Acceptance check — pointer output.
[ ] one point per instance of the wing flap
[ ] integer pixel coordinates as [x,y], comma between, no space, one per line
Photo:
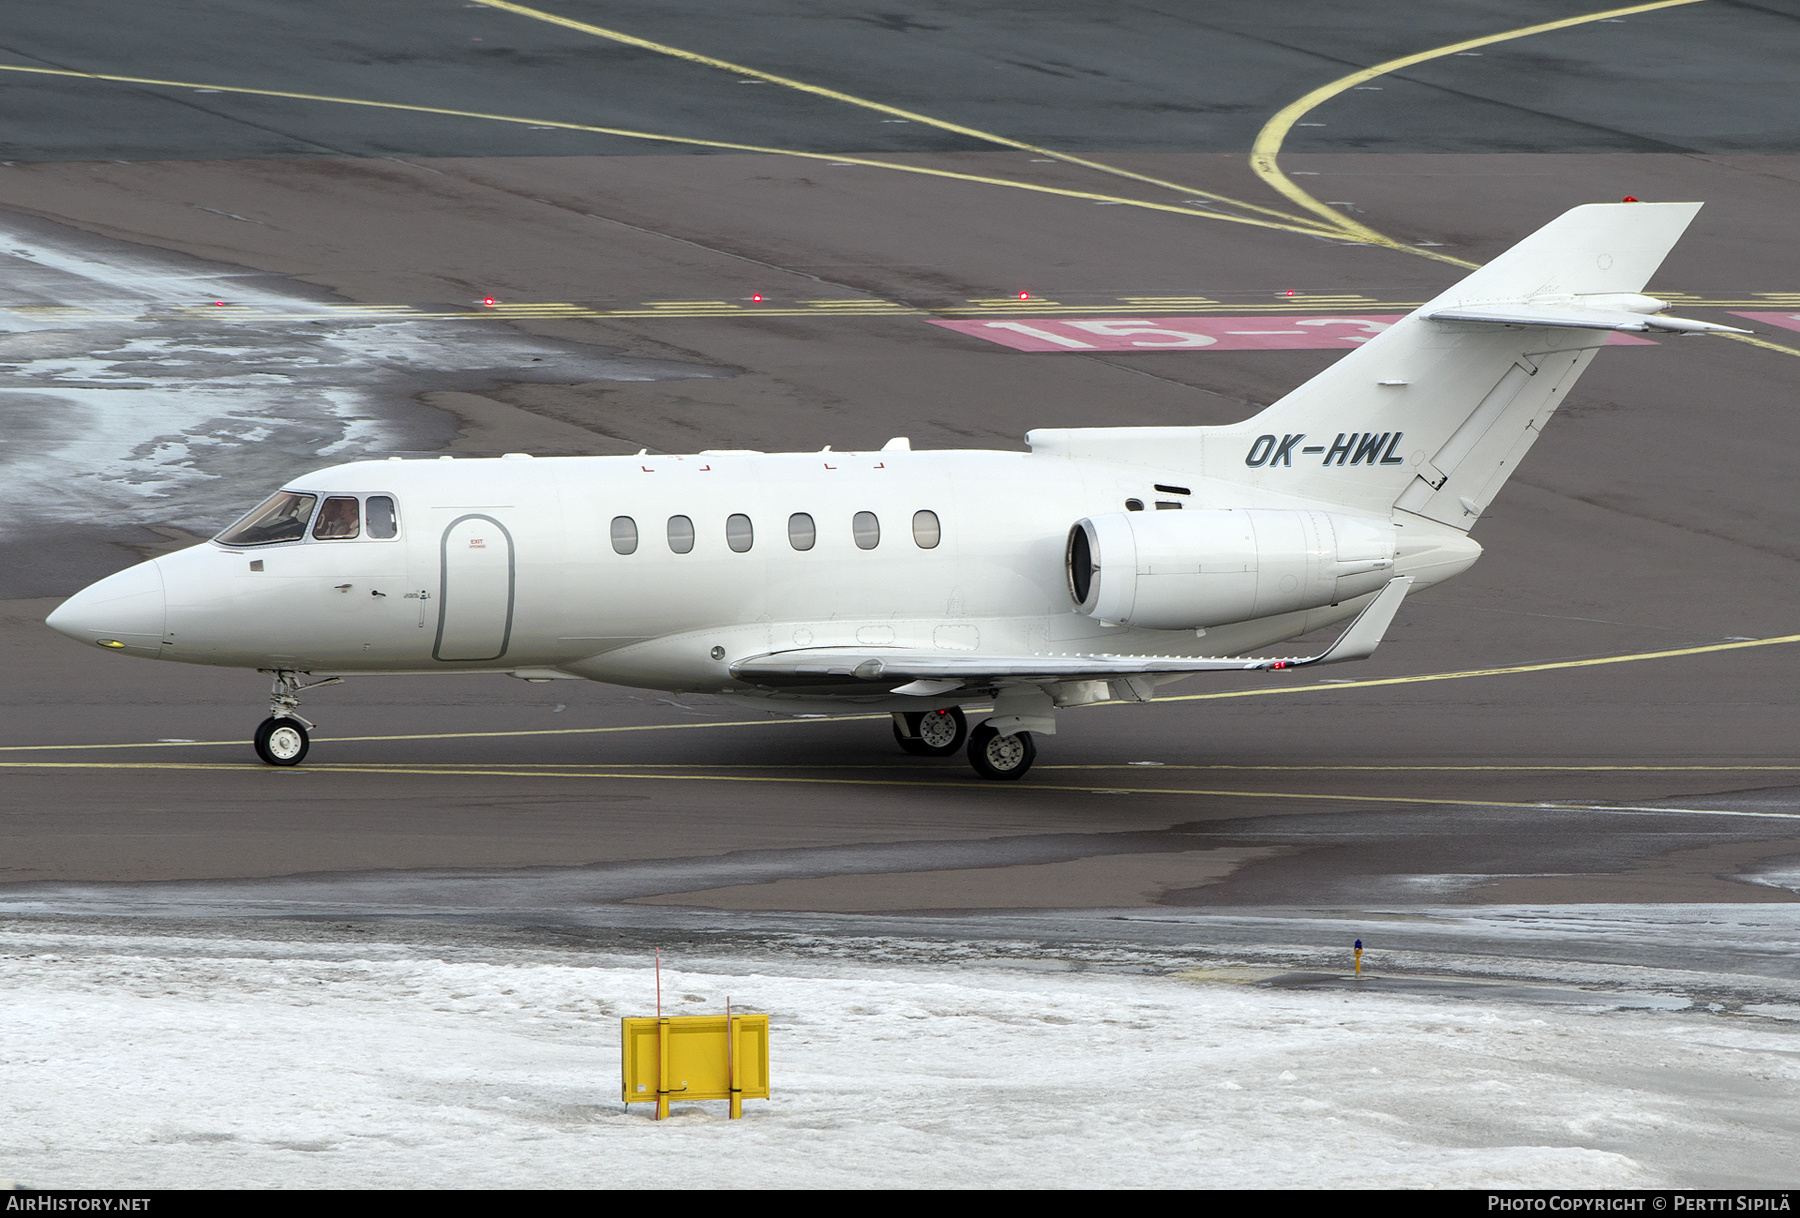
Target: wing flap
[929,673]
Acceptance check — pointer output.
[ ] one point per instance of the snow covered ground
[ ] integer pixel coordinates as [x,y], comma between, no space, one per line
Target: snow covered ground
[133,1056]
[128,396]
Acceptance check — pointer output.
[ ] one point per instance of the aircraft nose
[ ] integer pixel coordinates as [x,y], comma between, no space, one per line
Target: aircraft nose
[123,612]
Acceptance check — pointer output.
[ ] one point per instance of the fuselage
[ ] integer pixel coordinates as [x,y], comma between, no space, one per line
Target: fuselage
[660,571]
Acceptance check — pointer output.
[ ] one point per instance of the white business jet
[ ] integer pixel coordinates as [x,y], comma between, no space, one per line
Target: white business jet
[1101,565]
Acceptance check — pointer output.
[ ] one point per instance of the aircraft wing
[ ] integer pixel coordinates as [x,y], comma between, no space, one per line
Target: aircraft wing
[927,673]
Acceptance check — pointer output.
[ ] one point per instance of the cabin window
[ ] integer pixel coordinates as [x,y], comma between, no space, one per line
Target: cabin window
[867,530]
[338,519]
[624,535]
[926,531]
[382,522]
[738,533]
[681,534]
[280,517]
[1134,505]
[801,533]
[1167,505]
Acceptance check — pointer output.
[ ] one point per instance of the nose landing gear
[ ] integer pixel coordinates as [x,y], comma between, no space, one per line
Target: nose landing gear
[282,741]
[284,737]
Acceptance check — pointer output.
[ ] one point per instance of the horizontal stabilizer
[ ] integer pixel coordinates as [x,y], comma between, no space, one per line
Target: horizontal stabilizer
[932,673]
[1531,313]
[1432,415]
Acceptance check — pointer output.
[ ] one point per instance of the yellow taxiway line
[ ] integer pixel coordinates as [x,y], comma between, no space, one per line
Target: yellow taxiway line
[911,116]
[1306,228]
[1764,343]
[548,731]
[414,771]
[1265,152]
[1548,666]
[1331,687]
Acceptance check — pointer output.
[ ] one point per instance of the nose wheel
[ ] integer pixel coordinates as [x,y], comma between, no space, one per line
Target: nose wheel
[1000,757]
[282,741]
[938,733]
[284,737]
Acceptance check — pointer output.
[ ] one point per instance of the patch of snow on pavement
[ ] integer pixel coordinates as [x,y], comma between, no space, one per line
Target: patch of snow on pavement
[145,1061]
[127,397]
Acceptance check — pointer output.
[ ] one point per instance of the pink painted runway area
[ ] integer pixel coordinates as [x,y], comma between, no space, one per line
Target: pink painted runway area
[1177,333]
[1787,321]
[1327,331]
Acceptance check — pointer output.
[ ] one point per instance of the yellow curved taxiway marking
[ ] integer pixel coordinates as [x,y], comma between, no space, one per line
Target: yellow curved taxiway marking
[969,786]
[1267,148]
[1305,228]
[850,99]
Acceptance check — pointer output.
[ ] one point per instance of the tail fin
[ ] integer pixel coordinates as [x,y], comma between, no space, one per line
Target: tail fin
[1433,415]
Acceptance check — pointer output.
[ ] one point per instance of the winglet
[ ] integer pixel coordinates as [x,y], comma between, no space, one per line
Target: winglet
[1365,633]
[1371,625]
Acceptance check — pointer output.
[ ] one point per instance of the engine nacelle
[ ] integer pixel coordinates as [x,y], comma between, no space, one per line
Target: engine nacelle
[1191,569]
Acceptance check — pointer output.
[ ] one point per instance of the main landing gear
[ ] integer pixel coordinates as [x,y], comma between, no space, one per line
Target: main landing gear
[937,733]
[284,737]
[941,733]
[1001,757]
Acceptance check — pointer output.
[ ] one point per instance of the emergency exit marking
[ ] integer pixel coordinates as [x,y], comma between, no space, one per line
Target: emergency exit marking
[1337,332]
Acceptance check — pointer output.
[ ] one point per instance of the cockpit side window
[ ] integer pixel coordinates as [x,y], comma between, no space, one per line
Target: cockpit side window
[281,517]
[382,524]
[338,519]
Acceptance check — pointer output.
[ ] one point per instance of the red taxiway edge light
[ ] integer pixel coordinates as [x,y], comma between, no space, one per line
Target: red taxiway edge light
[756,297]
[1290,292]
[487,300]
[1024,295]
[219,303]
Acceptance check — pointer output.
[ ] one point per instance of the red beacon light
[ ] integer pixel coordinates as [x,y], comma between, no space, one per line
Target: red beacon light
[1629,199]
[756,297]
[219,303]
[1290,292]
[1024,295]
[489,301]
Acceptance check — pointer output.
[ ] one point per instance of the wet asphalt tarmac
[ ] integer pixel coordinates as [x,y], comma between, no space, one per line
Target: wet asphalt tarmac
[1657,514]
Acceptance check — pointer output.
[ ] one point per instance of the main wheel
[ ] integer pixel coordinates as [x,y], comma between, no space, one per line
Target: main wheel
[936,733]
[282,741]
[997,756]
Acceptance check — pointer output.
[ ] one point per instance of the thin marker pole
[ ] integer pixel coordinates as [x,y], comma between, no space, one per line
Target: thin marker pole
[731,1074]
[662,1047]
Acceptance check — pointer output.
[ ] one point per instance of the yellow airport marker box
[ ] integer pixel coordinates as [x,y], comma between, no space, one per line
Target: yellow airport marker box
[695,1057]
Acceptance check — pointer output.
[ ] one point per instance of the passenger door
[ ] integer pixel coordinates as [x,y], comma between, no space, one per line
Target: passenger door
[477,586]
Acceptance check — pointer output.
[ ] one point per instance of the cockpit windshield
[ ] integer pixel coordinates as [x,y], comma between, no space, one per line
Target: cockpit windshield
[282,517]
